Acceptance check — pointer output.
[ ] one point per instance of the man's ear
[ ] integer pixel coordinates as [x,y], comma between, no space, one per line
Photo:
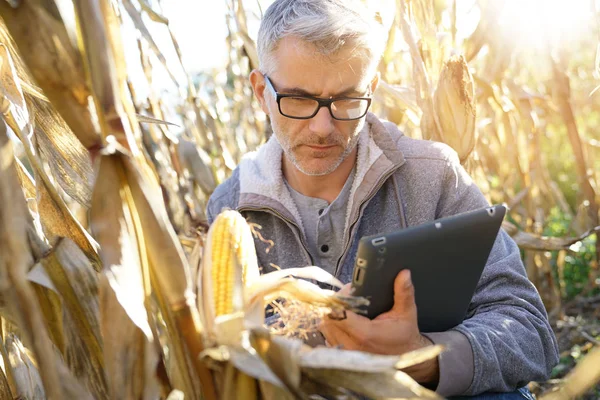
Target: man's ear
[375,82]
[257,80]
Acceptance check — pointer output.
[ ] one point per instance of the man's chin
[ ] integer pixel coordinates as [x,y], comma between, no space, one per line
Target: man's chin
[316,169]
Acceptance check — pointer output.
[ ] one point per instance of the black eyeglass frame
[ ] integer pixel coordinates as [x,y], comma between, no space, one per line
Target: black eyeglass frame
[322,103]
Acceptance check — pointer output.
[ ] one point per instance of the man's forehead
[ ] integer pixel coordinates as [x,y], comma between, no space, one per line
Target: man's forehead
[300,68]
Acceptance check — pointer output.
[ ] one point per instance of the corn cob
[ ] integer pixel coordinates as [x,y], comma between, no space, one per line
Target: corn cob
[454,104]
[230,264]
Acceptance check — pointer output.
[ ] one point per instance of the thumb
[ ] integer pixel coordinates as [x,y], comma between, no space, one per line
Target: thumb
[404,295]
[346,290]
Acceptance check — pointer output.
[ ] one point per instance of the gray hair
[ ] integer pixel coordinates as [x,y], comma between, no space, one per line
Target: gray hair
[329,25]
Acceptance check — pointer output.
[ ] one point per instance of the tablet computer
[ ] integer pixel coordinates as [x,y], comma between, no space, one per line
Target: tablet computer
[446,258]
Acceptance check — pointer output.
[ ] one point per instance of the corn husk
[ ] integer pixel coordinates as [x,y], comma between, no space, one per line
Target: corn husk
[582,378]
[454,105]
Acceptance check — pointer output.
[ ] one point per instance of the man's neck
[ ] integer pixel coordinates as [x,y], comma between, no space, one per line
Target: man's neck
[326,187]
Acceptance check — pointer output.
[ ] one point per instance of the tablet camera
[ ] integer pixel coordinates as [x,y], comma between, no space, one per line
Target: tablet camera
[491,211]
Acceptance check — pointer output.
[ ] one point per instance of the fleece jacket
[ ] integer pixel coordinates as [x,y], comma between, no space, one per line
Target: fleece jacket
[505,340]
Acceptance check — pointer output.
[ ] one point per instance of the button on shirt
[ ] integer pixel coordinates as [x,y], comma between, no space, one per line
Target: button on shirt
[324,224]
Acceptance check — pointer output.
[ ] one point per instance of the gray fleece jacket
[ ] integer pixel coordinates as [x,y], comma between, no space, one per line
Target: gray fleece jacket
[505,340]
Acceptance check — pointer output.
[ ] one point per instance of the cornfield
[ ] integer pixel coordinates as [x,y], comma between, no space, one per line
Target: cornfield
[113,286]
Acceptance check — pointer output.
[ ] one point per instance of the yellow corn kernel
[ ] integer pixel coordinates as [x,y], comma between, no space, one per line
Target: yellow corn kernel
[232,253]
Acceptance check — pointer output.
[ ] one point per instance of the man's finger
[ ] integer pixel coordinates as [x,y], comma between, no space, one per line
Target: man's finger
[346,290]
[404,297]
[329,332]
[336,337]
[355,326]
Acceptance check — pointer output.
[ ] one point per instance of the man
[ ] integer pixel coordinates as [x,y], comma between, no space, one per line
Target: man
[332,173]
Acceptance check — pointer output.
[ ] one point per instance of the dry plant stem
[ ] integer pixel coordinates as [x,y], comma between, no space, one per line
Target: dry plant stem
[101,71]
[188,322]
[33,322]
[15,261]
[421,77]
[563,98]
[10,377]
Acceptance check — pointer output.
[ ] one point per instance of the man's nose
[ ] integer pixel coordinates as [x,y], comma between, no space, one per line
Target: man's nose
[322,123]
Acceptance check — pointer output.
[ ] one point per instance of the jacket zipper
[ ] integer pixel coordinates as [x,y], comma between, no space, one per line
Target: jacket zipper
[360,213]
[288,221]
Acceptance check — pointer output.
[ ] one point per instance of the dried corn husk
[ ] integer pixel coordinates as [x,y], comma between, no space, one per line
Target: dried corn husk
[454,105]
[583,377]
[26,375]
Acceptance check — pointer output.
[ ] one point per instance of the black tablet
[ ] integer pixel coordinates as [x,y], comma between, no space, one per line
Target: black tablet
[446,258]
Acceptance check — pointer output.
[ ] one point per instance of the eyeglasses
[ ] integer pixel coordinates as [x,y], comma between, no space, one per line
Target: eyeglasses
[305,107]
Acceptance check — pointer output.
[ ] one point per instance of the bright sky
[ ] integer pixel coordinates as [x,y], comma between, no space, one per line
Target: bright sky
[200,27]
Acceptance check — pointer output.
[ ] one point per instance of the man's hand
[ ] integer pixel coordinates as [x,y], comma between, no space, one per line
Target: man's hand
[394,332]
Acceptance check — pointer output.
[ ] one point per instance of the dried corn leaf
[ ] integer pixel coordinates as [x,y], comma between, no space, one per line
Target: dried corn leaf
[139,23]
[303,291]
[15,260]
[280,358]
[12,100]
[100,37]
[154,16]
[51,307]
[26,180]
[49,44]
[164,250]
[251,364]
[127,230]
[399,96]
[390,384]
[112,222]
[150,120]
[418,356]
[77,283]
[66,155]
[237,386]
[269,391]
[25,372]
[242,31]
[5,392]
[170,272]
[309,272]
[69,161]
[197,163]
[130,358]
[583,377]
[57,220]
[72,387]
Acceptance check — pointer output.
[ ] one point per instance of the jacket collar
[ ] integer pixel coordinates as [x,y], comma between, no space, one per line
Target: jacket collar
[261,178]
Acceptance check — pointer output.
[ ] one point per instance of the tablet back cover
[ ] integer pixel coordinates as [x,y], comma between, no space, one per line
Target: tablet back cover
[446,258]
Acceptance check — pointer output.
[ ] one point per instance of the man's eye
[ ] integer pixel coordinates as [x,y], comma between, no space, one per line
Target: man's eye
[299,100]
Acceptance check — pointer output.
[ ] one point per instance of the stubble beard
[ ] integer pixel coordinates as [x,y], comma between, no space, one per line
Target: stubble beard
[289,151]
